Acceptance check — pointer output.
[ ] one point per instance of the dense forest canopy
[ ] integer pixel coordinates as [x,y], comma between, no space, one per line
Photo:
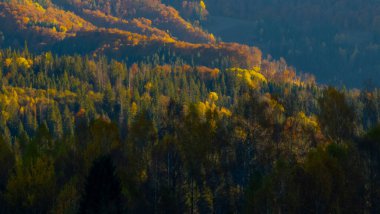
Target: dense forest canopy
[132,107]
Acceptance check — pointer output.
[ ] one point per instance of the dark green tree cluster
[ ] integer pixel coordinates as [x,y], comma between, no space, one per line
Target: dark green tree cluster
[93,135]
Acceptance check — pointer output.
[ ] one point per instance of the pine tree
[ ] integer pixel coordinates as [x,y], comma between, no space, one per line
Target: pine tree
[102,192]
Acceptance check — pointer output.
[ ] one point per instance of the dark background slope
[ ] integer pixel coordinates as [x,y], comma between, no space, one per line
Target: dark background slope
[336,40]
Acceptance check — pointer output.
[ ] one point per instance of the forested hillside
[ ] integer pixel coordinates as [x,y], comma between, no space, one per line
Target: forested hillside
[131,107]
[84,29]
[336,40]
[82,134]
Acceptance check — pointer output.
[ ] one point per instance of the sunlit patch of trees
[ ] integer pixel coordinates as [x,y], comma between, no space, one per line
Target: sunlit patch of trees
[48,21]
[90,30]
[162,17]
[251,77]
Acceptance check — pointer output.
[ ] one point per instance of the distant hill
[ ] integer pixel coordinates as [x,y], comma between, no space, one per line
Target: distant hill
[132,29]
[336,40]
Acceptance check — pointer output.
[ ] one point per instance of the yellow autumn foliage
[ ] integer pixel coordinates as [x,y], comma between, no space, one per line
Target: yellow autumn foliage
[134,109]
[215,72]
[253,77]
[225,112]
[95,96]
[5,115]
[212,38]
[309,121]
[15,100]
[22,110]
[39,7]
[258,76]
[213,96]
[202,5]
[8,62]
[25,20]
[148,86]
[201,108]
[240,134]
[256,68]
[22,62]
[204,107]
[62,29]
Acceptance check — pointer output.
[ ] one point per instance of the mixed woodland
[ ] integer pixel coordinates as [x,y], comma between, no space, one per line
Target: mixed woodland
[103,112]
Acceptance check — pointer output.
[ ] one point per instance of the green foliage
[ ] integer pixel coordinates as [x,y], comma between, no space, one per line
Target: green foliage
[32,187]
[337,118]
[85,133]
[328,181]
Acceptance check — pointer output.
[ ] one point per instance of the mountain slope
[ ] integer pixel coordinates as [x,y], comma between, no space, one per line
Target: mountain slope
[29,21]
[336,40]
[77,27]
